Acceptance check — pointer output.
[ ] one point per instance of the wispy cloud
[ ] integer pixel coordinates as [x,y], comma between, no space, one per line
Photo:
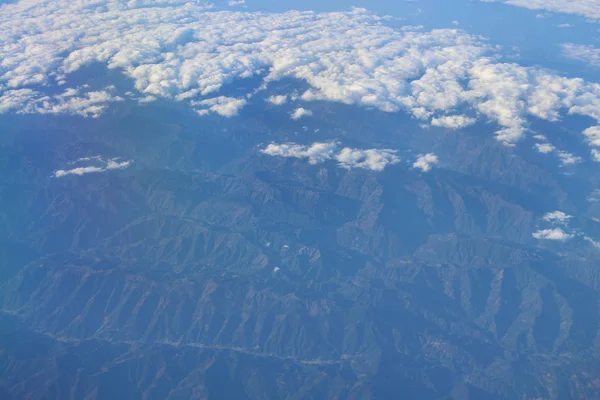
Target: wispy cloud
[585,8]
[102,166]
[586,53]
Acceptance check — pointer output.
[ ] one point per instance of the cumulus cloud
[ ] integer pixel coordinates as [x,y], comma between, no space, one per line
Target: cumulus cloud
[425,162]
[277,100]
[585,8]
[182,50]
[553,234]
[316,153]
[557,217]
[102,166]
[222,105]
[300,113]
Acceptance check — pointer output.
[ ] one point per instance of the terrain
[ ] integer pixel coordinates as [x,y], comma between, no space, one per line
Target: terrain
[210,270]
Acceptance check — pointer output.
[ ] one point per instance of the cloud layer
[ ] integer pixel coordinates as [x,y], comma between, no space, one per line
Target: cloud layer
[584,8]
[183,51]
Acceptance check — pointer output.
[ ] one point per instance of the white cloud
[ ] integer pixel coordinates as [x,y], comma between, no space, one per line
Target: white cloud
[593,135]
[233,3]
[277,100]
[594,243]
[222,105]
[425,162]
[102,166]
[596,155]
[182,50]
[585,8]
[567,158]
[453,121]
[585,53]
[373,159]
[558,217]
[316,153]
[594,196]
[553,234]
[300,113]
[545,148]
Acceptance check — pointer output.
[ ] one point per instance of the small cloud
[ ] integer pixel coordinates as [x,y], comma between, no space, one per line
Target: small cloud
[595,155]
[425,162]
[453,121]
[545,148]
[300,113]
[233,3]
[277,100]
[564,26]
[553,234]
[568,158]
[557,217]
[349,158]
[111,164]
[455,23]
[594,196]
[222,105]
[276,269]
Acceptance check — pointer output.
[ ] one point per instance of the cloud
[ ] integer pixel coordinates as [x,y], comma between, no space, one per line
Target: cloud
[183,51]
[103,166]
[558,217]
[317,153]
[585,8]
[70,102]
[567,158]
[425,162]
[553,234]
[300,113]
[373,159]
[453,121]
[586,53]
[277,100]
[545,148]
[222,105]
